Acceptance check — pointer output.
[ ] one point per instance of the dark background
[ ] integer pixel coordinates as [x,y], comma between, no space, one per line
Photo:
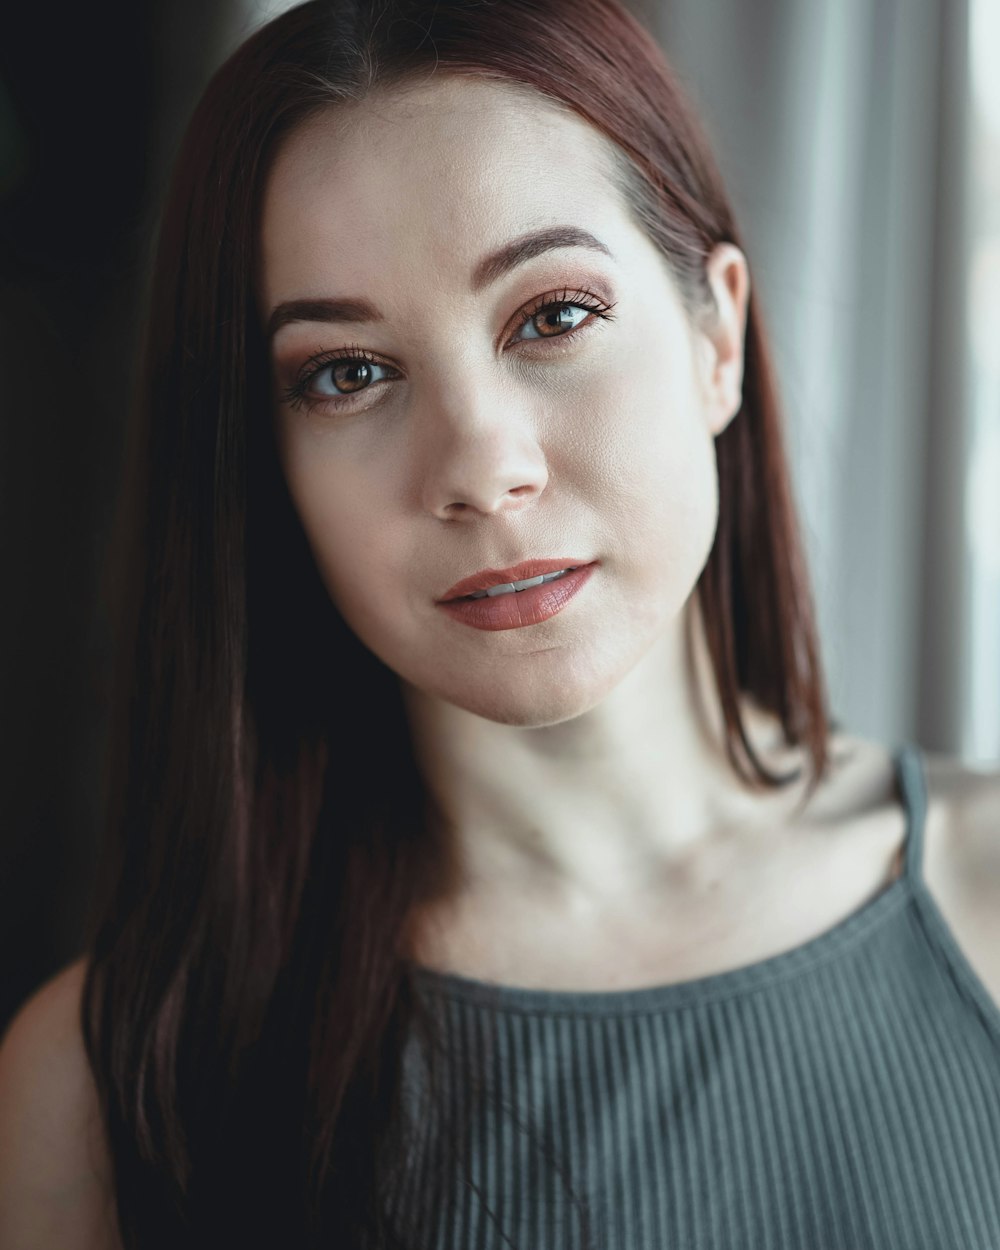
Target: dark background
[91,105]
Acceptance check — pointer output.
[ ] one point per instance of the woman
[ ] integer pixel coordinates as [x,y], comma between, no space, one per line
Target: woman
[488,869]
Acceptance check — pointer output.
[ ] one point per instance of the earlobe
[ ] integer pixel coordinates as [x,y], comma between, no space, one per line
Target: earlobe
[729,278]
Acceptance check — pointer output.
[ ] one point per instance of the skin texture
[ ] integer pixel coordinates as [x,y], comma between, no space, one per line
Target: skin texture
[578,760]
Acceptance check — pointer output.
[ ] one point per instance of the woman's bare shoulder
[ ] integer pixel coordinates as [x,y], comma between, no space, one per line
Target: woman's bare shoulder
[965,801]
[962,858]
[55,1174]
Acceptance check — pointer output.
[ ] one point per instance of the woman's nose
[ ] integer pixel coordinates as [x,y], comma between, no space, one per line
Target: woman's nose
[478,451]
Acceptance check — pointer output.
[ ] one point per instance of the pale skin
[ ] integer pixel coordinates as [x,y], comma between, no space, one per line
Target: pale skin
[579,761]
[605,842]
[568,754]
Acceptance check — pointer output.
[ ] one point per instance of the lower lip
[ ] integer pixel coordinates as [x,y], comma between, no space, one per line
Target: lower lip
[522,607]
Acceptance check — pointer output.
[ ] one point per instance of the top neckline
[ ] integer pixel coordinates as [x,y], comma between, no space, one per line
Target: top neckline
[719,985]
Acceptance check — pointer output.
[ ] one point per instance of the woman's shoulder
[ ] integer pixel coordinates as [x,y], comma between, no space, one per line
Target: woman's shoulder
[961,841]
[55,1175]
[963,820]
[962,858]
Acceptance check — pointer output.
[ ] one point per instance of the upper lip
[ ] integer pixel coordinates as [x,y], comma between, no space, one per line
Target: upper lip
[486,578]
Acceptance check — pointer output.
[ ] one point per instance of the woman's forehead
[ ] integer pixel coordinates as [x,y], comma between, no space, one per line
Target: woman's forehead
[447,163]
[442,106]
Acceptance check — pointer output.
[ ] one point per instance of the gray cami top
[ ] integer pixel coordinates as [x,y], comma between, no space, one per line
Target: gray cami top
[843,1095]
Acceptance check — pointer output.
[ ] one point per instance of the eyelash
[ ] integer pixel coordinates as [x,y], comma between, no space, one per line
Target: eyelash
[297,395]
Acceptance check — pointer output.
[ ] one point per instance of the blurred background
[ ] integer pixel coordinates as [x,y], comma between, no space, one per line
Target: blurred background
[860,140]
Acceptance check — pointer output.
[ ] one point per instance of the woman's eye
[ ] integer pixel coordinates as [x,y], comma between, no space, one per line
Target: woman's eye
[345,377]
[333,380]
[554,320]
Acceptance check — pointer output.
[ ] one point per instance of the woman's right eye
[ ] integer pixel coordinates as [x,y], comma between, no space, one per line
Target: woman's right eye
[333,378]
[345,377]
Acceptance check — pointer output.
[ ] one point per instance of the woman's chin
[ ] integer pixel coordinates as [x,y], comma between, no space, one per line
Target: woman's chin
[530,701]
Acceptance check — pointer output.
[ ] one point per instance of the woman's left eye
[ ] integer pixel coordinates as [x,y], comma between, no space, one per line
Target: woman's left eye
[559,317]
[556,320]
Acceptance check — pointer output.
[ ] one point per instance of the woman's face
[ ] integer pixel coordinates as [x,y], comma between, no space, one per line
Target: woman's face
[557,408]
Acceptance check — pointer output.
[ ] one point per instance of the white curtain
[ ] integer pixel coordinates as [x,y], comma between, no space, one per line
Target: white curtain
[843,129]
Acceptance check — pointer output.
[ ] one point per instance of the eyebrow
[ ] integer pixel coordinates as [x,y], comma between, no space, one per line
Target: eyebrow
[489,270]
[528,246]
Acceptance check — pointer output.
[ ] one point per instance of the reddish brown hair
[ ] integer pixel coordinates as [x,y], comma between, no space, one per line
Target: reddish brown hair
[246,1000]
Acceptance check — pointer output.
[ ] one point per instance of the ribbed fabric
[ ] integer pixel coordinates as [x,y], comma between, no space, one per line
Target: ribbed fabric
[843,1095]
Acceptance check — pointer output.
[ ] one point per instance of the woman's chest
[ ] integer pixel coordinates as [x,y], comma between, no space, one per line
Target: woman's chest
[734,910]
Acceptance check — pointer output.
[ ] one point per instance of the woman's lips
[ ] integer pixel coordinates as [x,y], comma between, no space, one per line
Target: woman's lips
[487,578]
[520,607]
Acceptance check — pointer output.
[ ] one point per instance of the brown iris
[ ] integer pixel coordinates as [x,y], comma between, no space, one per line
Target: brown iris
[352,375]
[560,318]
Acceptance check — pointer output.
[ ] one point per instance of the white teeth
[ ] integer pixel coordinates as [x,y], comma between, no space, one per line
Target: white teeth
[509,588]
[506,589]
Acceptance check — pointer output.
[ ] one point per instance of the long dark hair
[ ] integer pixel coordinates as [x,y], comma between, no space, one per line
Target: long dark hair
[247,1003]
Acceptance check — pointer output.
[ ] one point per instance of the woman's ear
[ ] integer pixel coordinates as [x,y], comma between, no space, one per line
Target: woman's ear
[720,339]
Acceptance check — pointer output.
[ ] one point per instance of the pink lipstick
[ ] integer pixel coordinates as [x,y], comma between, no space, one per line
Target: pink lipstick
[501,604]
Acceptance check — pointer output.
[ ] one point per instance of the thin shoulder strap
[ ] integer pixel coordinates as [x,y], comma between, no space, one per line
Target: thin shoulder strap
[912,786]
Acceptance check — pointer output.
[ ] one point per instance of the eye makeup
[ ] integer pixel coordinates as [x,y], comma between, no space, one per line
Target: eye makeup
[359,361]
